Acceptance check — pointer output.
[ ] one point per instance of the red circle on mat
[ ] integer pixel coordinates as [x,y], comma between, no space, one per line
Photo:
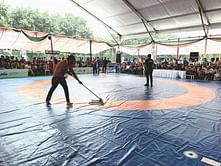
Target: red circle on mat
[195,95]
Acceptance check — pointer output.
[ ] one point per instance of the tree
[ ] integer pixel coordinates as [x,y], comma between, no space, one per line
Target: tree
[3,14]
[26,18]
[43,22]
[22,18]
[74,26]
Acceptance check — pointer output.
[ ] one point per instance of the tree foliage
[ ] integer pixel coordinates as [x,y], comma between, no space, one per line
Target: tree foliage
[29,19]
[3,14]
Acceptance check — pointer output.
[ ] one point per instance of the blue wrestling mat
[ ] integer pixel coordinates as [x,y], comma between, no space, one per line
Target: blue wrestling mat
[174,123]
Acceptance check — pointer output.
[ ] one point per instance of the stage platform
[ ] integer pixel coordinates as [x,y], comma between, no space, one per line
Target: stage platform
[173,123]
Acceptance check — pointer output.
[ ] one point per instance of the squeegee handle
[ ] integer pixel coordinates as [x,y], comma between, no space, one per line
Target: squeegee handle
[91,91]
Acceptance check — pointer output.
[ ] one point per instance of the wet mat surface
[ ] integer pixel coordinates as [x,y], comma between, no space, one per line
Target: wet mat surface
[119,133]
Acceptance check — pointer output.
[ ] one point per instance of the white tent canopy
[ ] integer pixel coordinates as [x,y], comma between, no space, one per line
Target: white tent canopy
[15,39]
[127,17]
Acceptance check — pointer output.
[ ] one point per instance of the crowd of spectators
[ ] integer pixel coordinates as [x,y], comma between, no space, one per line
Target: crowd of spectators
[203,70]
[38,66]
[43,66]
[132,66]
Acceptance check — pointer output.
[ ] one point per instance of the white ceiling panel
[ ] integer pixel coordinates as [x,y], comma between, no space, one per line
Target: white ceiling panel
[192,20]
[106,8]
[150,14]
[211,4]
[131,29]
[140,4]
[169,9]
[122,20]
[214,17]
[173,23]
[180,7]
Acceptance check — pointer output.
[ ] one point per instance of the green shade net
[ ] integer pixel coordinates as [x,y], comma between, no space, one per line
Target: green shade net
[180,43]
[137,46]
[33,38]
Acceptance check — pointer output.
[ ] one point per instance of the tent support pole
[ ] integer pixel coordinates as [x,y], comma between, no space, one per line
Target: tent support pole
[52,52]
[205,49]
[90,42]
[178,49]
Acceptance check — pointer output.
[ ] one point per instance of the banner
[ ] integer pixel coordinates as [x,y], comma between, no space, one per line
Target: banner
[83,70]
[89,70]
[13,73]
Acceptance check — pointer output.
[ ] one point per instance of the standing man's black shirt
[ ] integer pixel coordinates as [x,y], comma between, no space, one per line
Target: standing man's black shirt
[148,66]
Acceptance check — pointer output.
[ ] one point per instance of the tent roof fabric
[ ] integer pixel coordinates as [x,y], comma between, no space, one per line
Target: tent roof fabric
[125,16]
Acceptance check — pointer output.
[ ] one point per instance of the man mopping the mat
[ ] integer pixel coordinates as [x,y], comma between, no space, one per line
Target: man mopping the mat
[63,67]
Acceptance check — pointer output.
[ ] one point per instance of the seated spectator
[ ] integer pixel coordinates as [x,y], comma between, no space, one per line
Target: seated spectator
[205,62]
[30,71]
[217,75]
[210,73]
[201,73]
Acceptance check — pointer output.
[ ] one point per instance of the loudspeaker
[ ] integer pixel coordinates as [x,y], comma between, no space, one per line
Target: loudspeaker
[194,56]
[118,57]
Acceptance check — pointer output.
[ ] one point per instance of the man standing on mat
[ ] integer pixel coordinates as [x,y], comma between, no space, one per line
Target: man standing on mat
[63,67]
[148,66]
